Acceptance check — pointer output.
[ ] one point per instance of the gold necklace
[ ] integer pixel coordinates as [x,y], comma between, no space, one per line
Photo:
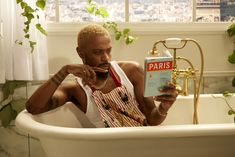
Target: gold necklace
[102,85]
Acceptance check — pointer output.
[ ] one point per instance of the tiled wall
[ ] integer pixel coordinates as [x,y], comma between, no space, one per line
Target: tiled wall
[14,143]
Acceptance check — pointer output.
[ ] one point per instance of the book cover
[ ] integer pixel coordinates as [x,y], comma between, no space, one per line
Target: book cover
[157,73]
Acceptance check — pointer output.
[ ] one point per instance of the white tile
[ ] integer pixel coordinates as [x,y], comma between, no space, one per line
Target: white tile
[36,149]
[12,143]
[218,84]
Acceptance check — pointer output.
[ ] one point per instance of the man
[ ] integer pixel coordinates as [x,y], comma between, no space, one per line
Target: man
[109,93]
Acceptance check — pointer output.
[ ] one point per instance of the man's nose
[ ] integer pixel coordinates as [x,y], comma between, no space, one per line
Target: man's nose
[106,57]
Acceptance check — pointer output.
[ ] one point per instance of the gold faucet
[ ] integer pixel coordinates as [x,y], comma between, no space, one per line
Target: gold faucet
[187,73]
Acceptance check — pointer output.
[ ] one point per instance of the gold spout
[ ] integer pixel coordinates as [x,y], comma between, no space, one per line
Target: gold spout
[187,73]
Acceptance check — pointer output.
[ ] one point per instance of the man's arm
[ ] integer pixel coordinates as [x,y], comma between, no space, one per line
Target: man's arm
[49,95]
[53,94]
[155,115]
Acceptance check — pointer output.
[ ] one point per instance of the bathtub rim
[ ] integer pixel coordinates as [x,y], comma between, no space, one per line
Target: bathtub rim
[25,123]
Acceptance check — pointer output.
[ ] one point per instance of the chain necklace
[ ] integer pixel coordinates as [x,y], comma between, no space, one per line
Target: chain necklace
[101,86]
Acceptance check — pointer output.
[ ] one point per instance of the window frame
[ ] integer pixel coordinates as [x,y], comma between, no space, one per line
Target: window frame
[144,28]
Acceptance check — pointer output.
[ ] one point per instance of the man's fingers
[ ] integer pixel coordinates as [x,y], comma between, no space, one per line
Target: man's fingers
[96,69]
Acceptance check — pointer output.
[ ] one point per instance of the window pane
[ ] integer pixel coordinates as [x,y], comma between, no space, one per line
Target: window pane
[75,10]
[227,10]
[50,10]
[161,10]
[215,10]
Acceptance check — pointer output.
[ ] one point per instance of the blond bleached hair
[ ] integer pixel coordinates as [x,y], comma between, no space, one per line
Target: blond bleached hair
[90,31]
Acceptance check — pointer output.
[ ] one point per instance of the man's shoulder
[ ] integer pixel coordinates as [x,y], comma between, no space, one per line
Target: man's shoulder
[128,65]
[132,69]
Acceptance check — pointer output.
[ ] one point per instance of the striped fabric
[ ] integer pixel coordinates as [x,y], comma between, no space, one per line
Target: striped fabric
[118,108]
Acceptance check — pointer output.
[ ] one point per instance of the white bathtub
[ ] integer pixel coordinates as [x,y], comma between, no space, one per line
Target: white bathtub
[61,135]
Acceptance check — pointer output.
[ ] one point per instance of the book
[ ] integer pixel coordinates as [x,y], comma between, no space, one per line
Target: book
[157,73]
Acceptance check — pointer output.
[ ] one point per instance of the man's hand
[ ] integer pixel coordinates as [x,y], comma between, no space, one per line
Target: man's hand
[168,97]
[86,72]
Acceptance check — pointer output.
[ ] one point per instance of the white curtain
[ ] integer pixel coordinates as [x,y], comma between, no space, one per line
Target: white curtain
[19,62]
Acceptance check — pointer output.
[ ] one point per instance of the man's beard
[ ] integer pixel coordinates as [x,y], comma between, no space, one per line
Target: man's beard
[102,75]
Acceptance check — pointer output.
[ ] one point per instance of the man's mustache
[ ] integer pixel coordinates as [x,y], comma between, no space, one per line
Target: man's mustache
[104,64]
[103,75]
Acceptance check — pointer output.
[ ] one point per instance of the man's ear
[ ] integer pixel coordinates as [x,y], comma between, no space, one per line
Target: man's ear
[80,53]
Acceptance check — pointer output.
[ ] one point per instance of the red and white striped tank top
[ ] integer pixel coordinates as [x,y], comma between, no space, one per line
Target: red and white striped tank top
[118,108]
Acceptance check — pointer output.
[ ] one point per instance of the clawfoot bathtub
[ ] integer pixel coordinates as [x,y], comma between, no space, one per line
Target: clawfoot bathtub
[65,132]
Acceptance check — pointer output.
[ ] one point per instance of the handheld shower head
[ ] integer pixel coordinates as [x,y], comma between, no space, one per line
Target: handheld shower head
[173,41]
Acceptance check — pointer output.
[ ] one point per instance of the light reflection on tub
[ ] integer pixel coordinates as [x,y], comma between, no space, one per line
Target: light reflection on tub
[62,133]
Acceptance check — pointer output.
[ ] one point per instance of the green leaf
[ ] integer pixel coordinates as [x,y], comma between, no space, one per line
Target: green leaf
[26,23]
[7,114]
[32,44]
[90,8]
[231,30]
[18,105]
[24,14]
[126,31]
[118,35]
[129,39]
[29,16]
[23,5]
[18,1]
[227,94]
[231,58]
[39,27]
[25,30]
[27,36]
[89,1]
[41,4]
[230,112]
[8,89]
[233,82]
[103,12]
[111,25]
[28,9]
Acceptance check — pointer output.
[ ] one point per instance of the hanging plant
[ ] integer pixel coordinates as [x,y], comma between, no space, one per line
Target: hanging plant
[30,14]
[227,95]
[231,57]
[93,9]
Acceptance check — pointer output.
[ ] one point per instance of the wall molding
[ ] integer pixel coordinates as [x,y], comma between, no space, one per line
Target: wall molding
[69,29]
[219,73]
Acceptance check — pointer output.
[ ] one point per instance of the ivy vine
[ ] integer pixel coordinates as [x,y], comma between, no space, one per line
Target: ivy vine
[9,106]
[31,13]
[93,9]
[226,95]
[231,57]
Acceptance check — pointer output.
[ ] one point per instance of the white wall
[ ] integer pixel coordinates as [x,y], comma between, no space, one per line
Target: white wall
[212,37]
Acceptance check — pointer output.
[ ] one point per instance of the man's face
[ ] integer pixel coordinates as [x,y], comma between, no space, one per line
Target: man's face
[97,52]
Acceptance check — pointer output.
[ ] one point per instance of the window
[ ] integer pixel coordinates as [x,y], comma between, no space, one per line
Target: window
[144,10]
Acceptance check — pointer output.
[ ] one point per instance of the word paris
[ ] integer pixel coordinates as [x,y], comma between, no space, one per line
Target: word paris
[155,66]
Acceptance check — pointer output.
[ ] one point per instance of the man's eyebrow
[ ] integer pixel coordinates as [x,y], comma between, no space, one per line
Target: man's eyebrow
[98,49]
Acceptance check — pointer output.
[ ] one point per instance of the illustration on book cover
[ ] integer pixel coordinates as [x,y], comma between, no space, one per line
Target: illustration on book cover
[158,70]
